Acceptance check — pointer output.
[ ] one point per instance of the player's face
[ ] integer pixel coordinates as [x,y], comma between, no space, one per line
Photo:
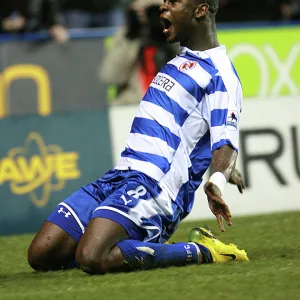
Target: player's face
[177,17]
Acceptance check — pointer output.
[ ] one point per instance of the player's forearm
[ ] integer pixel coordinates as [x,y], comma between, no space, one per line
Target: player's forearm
[223,163]
[223,160]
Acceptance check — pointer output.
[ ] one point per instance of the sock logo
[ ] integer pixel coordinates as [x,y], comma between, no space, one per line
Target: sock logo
[189,253]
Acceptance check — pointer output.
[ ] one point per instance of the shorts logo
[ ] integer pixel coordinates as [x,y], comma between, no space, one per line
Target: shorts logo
[232,119]
[140,191]
[67,214]
[188,65]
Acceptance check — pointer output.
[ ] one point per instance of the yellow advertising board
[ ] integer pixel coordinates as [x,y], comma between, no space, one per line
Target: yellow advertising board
[267,59]
[48,170]
[25,71]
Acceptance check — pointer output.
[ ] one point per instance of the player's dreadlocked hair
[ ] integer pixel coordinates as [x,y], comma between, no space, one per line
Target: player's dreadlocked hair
[213,5]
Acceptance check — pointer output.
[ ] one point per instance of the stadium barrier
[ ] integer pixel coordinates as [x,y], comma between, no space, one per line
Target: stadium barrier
[267,60]
[54,128]
[269,156]
[44,159]
[57,132]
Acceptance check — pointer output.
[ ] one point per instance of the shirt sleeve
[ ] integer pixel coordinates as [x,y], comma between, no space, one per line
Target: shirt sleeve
[222,110]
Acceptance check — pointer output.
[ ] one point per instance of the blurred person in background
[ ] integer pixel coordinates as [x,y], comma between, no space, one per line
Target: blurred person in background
[228,11]
[246,10]
[93,13]
[33,15]
[289,10]
[138,52]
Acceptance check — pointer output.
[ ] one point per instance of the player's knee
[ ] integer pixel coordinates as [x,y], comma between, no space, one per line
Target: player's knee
[91,261]
[36,258]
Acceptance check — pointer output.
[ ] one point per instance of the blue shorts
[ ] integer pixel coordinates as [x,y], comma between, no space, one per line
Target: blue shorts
[129,198]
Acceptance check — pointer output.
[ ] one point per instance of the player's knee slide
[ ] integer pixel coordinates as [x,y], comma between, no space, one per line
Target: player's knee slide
[33,262]
[42,259]
[36,260]
[91,262]
[94,267]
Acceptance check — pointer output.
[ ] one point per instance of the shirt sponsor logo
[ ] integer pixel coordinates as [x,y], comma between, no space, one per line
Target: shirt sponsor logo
[188,65]
[164,82]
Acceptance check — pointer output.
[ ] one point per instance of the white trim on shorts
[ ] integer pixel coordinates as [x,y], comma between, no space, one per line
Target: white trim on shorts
[128,217]
[74,215]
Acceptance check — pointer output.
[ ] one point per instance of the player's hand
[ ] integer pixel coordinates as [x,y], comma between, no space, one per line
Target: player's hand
[59,33]
[236,178]
[13,24]
[217,205]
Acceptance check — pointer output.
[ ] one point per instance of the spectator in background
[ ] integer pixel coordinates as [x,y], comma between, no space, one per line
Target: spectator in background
[138,52]
[290,10]
[93,13]
[33,15]
[227,11]
[247,10]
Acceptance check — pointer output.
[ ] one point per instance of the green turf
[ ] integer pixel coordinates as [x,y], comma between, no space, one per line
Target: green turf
[272,242]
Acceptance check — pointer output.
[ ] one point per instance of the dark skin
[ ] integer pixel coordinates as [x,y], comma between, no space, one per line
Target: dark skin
[189,19]
[51,249]
[223,160]
[194,27]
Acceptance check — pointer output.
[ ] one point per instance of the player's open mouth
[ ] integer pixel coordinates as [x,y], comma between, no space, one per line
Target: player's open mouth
[166,24]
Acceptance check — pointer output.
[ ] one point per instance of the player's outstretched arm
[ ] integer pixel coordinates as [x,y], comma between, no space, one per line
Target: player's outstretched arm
[223,164]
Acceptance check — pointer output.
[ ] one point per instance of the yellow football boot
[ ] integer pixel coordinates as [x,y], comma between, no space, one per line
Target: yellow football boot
[220,252]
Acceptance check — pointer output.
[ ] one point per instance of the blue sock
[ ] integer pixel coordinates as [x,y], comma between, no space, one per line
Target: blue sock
[141,255]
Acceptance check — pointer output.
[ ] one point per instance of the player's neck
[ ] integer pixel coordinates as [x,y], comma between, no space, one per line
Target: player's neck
[203,39]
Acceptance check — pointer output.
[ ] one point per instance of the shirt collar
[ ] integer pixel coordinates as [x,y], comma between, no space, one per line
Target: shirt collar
[202,54]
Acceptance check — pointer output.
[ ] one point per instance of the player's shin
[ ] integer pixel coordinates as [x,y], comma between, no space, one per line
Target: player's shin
[140,255]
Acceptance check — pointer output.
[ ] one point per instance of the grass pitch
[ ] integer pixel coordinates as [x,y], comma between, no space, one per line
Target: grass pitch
[272,243]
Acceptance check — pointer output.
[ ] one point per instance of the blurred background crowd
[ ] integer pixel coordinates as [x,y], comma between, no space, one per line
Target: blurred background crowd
[139,37]
[58,15]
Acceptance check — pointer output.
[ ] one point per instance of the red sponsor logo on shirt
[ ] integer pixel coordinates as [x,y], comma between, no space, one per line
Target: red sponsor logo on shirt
[188,65]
